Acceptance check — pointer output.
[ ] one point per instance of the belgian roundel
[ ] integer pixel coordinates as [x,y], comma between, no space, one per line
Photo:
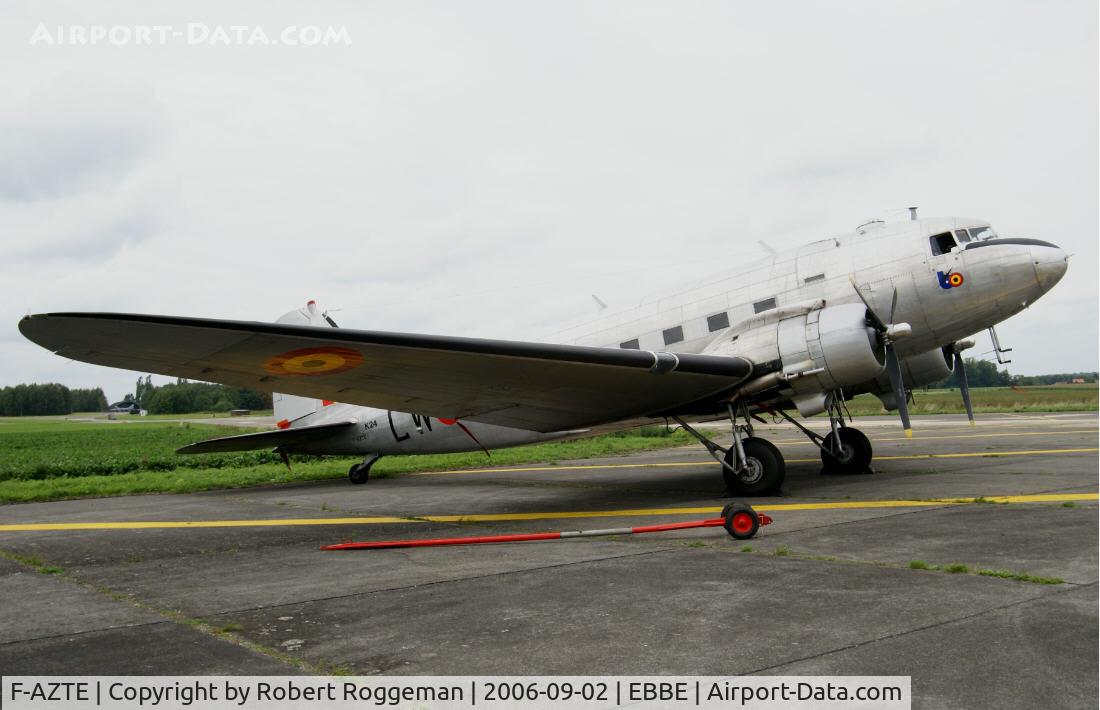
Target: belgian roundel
[314,361]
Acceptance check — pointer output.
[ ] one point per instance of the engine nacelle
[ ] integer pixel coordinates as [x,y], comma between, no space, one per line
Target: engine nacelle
[819,351]
[916,371]
[834,347]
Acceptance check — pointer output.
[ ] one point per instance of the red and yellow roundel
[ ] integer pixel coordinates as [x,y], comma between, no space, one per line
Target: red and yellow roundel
[314,361]
[955,279]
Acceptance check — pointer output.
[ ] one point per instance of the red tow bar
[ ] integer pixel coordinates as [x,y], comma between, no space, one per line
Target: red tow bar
[739,520]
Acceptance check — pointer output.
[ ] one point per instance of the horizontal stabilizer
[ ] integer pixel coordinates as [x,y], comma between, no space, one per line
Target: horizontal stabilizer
[267,439]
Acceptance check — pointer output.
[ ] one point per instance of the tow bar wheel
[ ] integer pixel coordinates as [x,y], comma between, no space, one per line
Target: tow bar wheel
[740,521]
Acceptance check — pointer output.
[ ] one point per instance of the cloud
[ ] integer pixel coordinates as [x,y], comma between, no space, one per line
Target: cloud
[80,131]
[482,172]
[85,228]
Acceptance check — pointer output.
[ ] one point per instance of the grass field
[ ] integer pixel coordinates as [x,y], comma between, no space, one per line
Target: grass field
[41,449]
[202,415]
[51,458]
[1054,398]
[122,417]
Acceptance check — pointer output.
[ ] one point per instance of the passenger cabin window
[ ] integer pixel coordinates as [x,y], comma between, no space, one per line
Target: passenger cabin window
[942,243]
[718,321]
[629,345]
[962,236]
[815,277]
[765,305]
[673,335]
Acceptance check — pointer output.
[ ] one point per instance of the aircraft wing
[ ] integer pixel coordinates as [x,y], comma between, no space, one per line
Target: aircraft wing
[267,439]
[536,386]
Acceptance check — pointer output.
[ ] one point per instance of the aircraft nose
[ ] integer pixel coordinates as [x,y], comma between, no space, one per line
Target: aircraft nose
[1050,264]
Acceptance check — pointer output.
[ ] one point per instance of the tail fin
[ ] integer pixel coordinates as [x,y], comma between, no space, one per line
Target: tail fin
[288,407]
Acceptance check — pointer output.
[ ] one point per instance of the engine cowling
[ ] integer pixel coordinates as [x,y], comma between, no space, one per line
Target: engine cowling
[819,351]
[916,371]
[836,342]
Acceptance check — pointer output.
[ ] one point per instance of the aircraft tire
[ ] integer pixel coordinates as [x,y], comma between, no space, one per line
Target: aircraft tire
[765,469]
[359,473]
[740,520]
[857,453]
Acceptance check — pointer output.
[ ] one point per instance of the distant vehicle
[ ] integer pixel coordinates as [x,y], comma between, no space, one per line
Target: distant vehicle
[884,309]
[124,408]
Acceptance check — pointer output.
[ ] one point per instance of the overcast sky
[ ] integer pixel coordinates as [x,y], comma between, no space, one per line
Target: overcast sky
[480,168]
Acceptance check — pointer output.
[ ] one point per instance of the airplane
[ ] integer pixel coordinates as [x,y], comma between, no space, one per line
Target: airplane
[886,308]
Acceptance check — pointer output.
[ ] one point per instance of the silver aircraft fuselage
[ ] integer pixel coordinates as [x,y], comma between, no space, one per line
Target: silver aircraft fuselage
[947,289]
[1000,278]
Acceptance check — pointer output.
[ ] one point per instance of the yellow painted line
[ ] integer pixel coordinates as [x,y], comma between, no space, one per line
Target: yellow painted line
[644,512]
[558,515]
[586,467]
[680,464]
[988,435]
[162,524]
[981,454]
[831,505]
[1036,498]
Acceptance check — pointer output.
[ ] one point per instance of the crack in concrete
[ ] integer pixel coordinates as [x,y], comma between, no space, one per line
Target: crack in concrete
[918,629]
[85,632]
[167,617]
[453,580]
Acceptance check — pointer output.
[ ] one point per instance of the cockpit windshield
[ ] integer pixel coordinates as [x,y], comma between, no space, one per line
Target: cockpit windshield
[947,242]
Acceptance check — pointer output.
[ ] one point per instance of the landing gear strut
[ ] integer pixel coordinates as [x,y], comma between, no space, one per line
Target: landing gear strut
[359,473]
[752,466]
[844,449]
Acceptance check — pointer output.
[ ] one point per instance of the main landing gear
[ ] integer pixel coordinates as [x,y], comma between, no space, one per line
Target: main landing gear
[844,449]
[751,466]
[360,472]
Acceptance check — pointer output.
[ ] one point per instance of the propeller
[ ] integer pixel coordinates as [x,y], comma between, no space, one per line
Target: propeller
[960,369]
[463,427]
[888,332]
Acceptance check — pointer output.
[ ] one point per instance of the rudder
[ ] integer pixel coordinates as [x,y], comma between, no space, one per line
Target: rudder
[288,407]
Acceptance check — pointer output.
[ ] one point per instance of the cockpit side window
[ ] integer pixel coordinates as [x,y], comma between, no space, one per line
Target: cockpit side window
[962,236]
[942,243]
[982,233]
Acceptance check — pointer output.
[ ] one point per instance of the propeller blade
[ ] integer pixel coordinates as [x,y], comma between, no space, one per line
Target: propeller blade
[960,370]
[475,439]
[893,369]
[877,322]
[893,306]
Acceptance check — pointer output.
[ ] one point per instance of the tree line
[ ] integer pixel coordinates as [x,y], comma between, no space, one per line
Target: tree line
[185,397]
[42,400]
[1031,380]
[982,373]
